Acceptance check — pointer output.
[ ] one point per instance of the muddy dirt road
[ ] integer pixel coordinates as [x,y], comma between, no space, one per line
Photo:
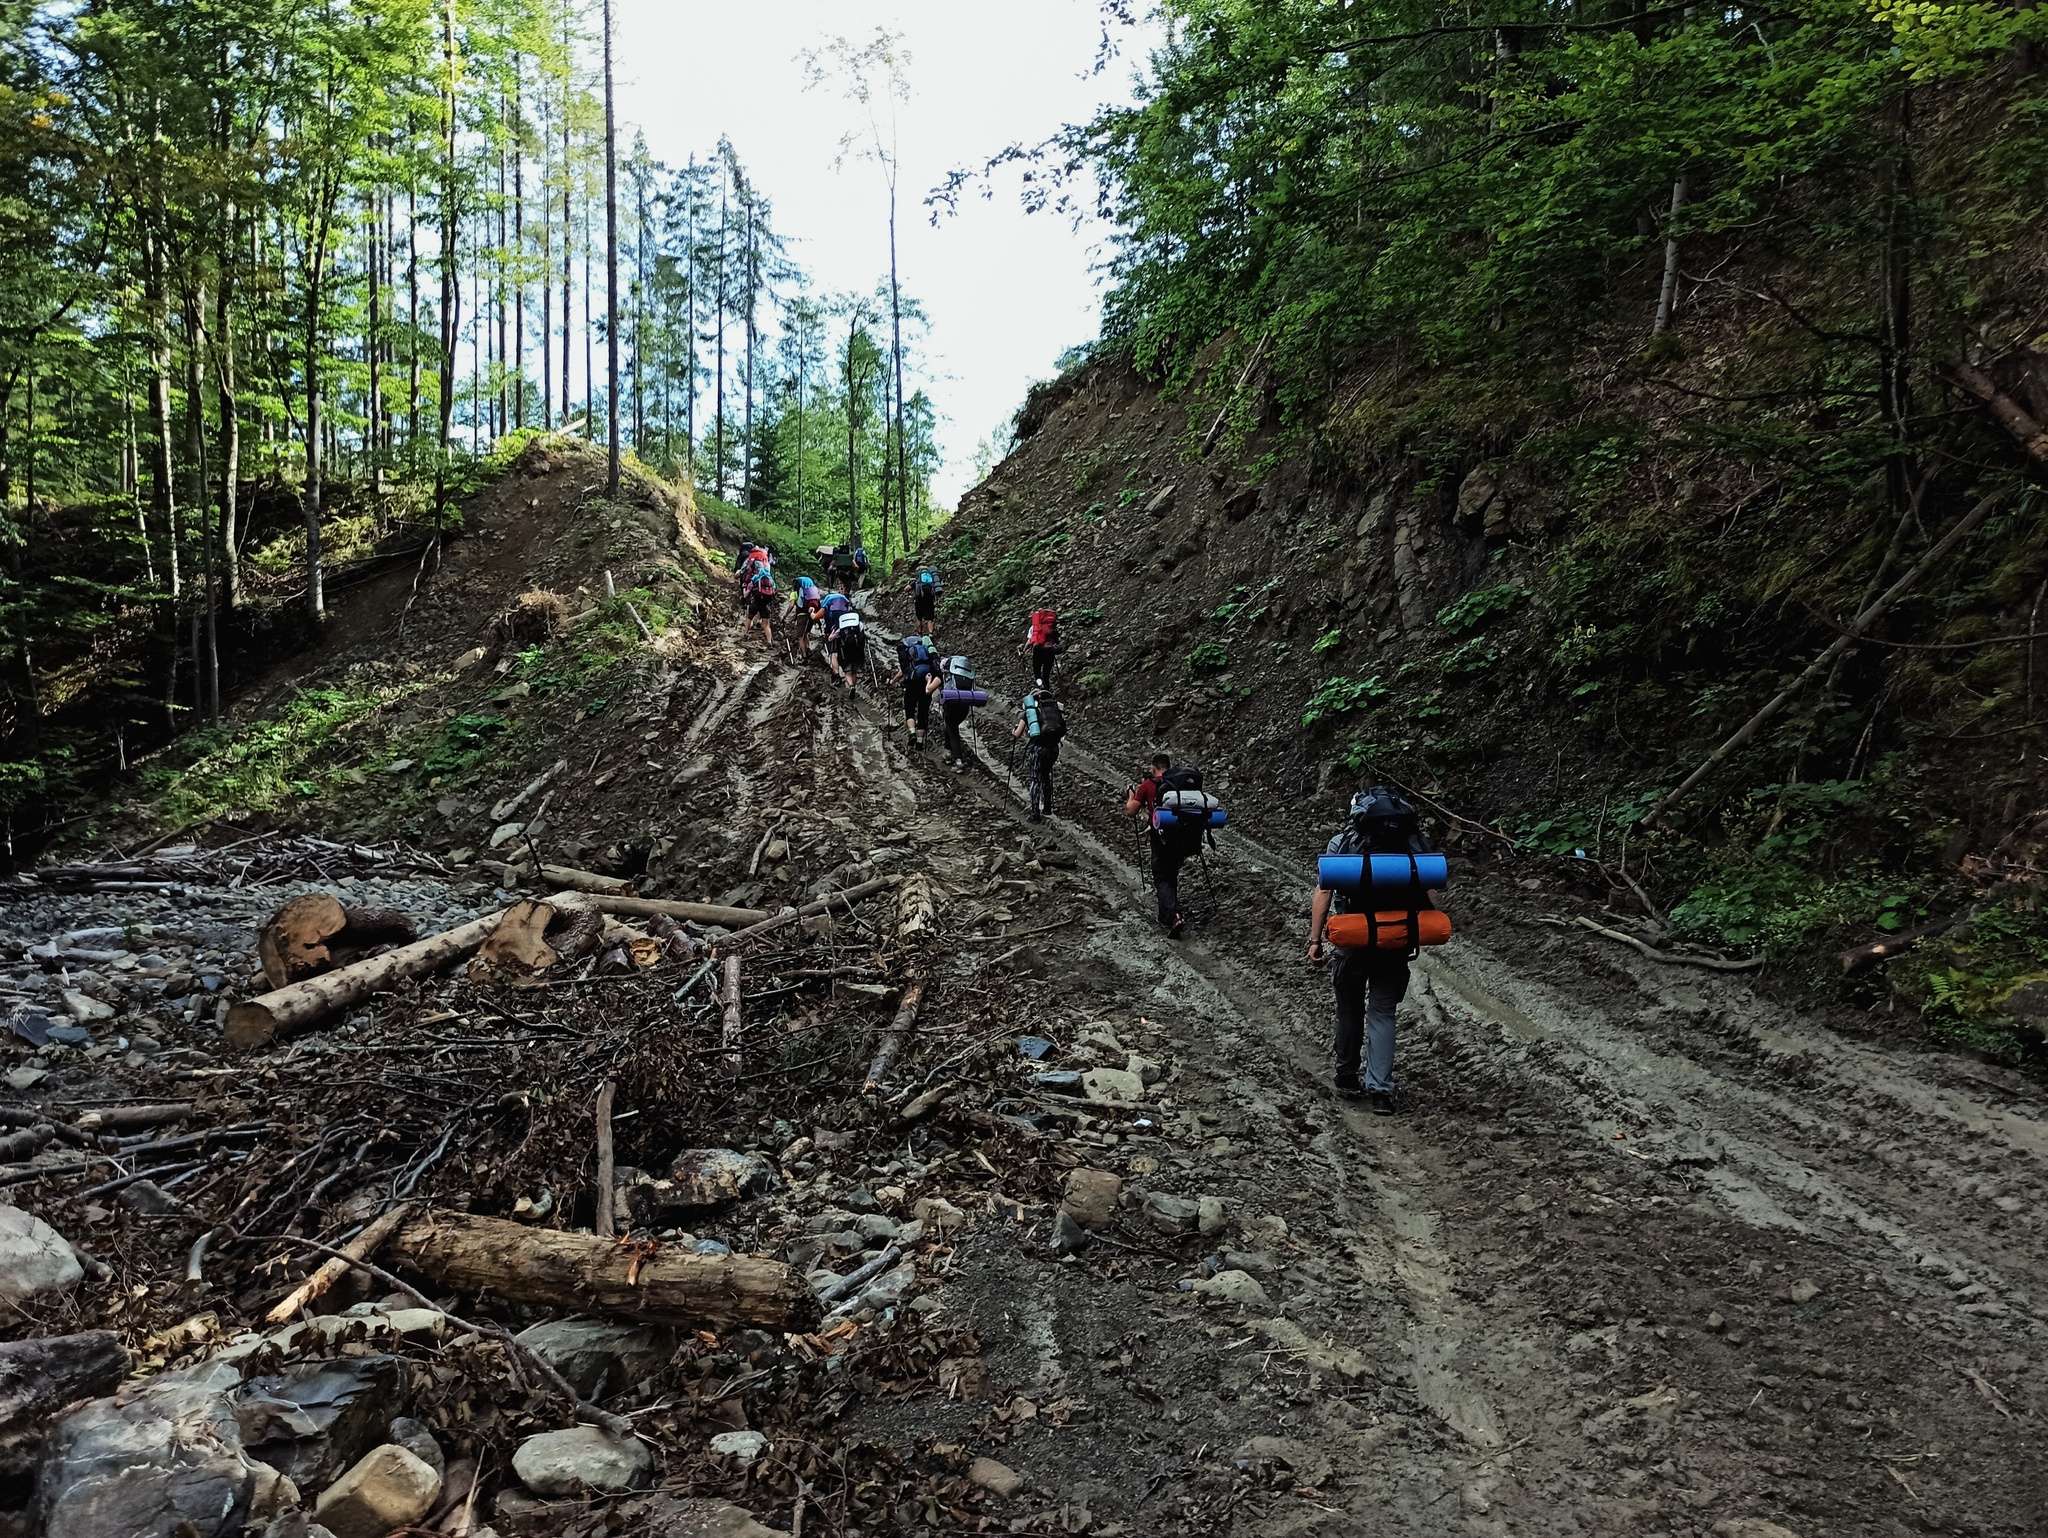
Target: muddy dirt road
[1645,1252]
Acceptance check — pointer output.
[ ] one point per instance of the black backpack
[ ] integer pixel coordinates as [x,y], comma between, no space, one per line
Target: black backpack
[1052,720]
[1389,824]
[1181,777]
[1183,836]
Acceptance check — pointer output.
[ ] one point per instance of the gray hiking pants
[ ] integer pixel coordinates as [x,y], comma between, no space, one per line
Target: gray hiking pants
[1368,985]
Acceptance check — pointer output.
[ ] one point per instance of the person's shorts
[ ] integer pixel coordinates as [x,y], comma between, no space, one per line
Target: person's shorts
[760,605]
[927,606]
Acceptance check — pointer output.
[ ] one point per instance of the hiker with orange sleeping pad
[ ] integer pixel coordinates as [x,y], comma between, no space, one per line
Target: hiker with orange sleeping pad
[1381,880]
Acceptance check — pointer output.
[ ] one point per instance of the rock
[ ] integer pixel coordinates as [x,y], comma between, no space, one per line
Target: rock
[1057,1081]
[416,1439]
[40,1377]
[1091,1197]
[1805,1290]
[910,1233]
[1112,1086]
[699,1178]
[25,1078]
[875,1228]
[996,1478]
[1293,1339]
[34,1258]
[1161,501]
[315,1419]
[1211,1217]
[390,1487]
[167,1453]
[504,833]
[678,1516]
[601,1359]
[743,1445]
[1171,1214]
[150,1199]
[1750,1527]
[935,1212]
[1235,1289]
[470,659]
[295,1524]
[85,1009]
[1148,1072]
[888,1289]
[1033,1047]
[1258,1262]
[581,1458]
[1068,1236]
[1300,1464]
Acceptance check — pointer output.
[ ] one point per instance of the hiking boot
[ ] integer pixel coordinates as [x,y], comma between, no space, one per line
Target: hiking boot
[1036,818]
[1380,1102]
[1348,1087]
[1177,928]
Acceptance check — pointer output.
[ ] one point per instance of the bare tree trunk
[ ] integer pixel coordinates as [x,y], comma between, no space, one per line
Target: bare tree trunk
[373,341]
[1667,293]
[718,399]
[568,231]
[753,272]
[224,382]
[163,496]
[518,251]
[896,346]
[412,282]
[316,596]
[206,649]
[451,292]
[611,262]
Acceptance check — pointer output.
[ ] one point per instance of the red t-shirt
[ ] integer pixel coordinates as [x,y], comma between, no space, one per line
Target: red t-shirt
[1146,792]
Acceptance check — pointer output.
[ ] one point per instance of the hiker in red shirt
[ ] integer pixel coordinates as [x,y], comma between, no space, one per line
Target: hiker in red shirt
[1042,640]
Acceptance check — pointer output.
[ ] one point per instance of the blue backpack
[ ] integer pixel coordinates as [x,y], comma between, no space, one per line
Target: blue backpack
[931,584]
[917,658]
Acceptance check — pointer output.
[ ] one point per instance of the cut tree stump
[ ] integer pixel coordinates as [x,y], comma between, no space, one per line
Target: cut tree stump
[286,1010]
[516,950]
[584,1273]
[314,932]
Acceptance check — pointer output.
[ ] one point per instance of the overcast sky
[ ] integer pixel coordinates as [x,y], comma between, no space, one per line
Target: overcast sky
[1006,293]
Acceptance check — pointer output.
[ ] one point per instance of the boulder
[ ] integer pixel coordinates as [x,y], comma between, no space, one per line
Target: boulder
[1236,1289]
[315,1419]
[34,1258]
[164,1454]
[938,1214]
[601,1359]
[998,1479]
[1068,1237]
[1211,1216]
[40,1377]
[416,1439]
[745,1446]
[1091,1197]
[582,1458]
[1171,1214]
[1112,1086]
[390,1487]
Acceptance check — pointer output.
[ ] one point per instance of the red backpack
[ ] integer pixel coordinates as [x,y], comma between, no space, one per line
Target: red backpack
[1045,627]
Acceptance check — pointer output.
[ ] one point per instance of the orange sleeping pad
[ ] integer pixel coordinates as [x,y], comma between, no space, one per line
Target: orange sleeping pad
[1357,929]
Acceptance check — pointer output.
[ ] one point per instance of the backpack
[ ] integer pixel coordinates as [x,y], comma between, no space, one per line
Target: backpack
[916,653]
[835,603]
[762,582]
[860,557]
[929,581]
[1045,627]
[1389,824]
[1184,811]
[853,640]
[1044,720]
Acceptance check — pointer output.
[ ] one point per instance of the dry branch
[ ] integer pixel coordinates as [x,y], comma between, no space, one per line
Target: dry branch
[811,910]
[1671,958]
[893,1038]
[512,803]
[586,1273]
[283,1011]
[362,1247]
[2026,432]
[571,879]
[1857,957]
[1870,616]
[605,1092]
[696,913]
[729,996]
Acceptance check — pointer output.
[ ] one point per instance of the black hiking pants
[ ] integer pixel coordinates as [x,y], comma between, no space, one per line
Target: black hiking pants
[952,712]
[917,704]
[1042,659]
[1166,864]
[1039,757]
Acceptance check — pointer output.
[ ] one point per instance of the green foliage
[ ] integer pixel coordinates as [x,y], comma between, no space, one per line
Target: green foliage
[261,763]
[1328,642]
[1012,573]
[1477,608]
[1965,984]
[1341,696]
[462,744]
[1472,658]
[1208,657]
[1096,683]
[1086,617]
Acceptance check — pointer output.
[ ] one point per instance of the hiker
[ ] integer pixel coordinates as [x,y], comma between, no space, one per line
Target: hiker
[849,645]
[925,593]
[760,593]
[1171,846]
[752,558]
[1042,640]
[828,563]
[859,573]
[955,701]
[808,602]
[831,608]
[1042,723]
[917,670]
[1370,979]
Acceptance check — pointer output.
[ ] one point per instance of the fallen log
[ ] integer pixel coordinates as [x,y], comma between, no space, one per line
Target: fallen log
[824,904]
[284,1011]
[571,879]
[40,1377]
[1857,957]
[894,1038]
[696,913]
[2013,417]
[315,932]
[133,1118]
[585,1273]
[362,1247]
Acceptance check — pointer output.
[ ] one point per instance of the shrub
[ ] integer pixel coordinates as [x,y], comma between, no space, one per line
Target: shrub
[1341,696]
